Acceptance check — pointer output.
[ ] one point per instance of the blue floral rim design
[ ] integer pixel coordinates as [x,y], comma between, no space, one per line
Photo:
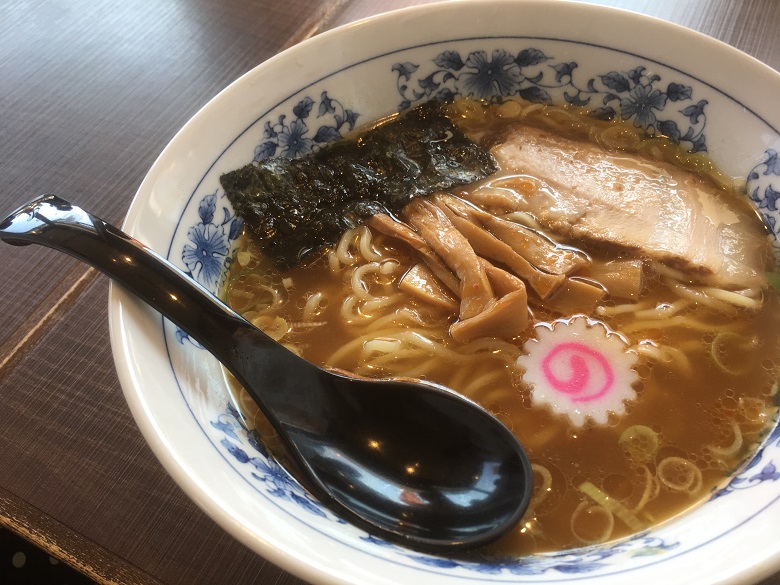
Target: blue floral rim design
[536,77]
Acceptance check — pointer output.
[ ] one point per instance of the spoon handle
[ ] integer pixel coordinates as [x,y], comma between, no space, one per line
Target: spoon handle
[54,222]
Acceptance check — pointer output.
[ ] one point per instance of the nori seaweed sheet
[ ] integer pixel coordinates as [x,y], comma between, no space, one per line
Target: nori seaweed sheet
[295,206]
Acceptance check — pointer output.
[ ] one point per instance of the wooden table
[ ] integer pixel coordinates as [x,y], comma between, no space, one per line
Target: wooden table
[90,93]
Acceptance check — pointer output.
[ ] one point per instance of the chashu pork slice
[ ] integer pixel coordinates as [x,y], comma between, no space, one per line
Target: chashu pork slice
[654,209]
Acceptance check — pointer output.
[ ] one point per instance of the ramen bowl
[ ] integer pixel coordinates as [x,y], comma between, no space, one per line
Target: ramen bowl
[669,80]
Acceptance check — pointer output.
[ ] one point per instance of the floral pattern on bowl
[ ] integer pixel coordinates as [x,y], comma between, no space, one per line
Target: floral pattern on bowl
[763,187]
[531,75]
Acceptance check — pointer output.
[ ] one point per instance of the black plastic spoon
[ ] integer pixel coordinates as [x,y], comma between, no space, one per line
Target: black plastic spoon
[411,462]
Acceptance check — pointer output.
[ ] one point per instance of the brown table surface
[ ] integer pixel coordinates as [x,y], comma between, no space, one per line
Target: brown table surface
[90,93]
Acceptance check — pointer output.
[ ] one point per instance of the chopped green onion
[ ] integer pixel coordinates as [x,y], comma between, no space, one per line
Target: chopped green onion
[679,474]
[734,340]
[590,509]
[612,506]
[640,442]
[732,449]
[541,491]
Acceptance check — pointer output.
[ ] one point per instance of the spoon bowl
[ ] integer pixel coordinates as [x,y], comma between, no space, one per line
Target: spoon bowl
[410,462]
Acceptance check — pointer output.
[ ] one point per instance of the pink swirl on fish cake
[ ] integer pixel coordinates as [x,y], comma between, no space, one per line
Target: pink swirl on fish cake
[580,384]
[580,369]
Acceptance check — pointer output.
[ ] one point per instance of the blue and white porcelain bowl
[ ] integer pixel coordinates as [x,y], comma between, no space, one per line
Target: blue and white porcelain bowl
[664,78]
